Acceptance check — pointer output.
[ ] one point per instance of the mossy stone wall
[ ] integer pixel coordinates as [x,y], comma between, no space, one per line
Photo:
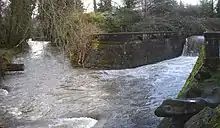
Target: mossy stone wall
[122,55]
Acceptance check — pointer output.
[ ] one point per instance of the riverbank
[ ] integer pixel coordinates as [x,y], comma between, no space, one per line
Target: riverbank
[203,82]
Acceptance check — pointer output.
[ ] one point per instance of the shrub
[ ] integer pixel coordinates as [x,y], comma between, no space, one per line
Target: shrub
[74,31]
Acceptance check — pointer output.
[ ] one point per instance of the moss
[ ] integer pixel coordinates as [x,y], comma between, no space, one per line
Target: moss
[191,82]
[95,43]
[106,59]
[215,121]
[111,42]
[102,62]
[194,84]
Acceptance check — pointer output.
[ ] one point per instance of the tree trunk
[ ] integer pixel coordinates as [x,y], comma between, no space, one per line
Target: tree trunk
[95,5]
[20,22]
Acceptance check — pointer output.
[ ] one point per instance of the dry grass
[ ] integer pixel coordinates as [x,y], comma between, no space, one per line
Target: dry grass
[74,32]
[71,30]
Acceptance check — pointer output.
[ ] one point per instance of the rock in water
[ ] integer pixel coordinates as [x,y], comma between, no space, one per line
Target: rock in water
[183,107]
[202,119]
[3,92]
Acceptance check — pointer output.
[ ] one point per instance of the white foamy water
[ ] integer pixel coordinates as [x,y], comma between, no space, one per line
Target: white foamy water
[82,122]
[3,92]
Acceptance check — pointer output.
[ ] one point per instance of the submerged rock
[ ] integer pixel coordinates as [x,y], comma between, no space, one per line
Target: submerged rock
[184,107]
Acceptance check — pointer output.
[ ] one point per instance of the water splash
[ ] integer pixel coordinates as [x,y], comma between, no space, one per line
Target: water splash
[82,122]
[3,92]
[193,45]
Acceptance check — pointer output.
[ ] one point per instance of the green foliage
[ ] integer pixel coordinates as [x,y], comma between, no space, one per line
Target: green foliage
[206,7]
[154,24]
[189,24]
[20,21]
[218,8]
[188,10]
[163,6]
[74,31]
[111,23]
[96,18]
[95,43]
[15,22]
[105,5]
[121,20]
[160,15]
[130,4]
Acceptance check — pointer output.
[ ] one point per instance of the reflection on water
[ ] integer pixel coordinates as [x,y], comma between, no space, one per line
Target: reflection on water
[50,93]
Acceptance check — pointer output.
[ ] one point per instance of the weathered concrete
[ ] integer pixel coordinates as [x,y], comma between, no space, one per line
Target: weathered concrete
[212,44]
[137,51]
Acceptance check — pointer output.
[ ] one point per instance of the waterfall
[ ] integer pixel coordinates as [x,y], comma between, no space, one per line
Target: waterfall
[193,45]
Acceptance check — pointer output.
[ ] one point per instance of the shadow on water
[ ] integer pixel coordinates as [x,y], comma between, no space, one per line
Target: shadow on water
[50,93]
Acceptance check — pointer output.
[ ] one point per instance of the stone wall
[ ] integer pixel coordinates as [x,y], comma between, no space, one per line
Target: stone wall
[118,55]
[198,103]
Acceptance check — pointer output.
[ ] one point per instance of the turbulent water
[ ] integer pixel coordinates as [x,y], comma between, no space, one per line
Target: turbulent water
[52,94]
[193,45]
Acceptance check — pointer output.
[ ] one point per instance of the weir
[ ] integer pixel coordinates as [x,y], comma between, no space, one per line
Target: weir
[133,49]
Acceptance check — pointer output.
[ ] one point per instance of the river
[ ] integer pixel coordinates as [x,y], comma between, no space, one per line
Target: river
[52,94]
